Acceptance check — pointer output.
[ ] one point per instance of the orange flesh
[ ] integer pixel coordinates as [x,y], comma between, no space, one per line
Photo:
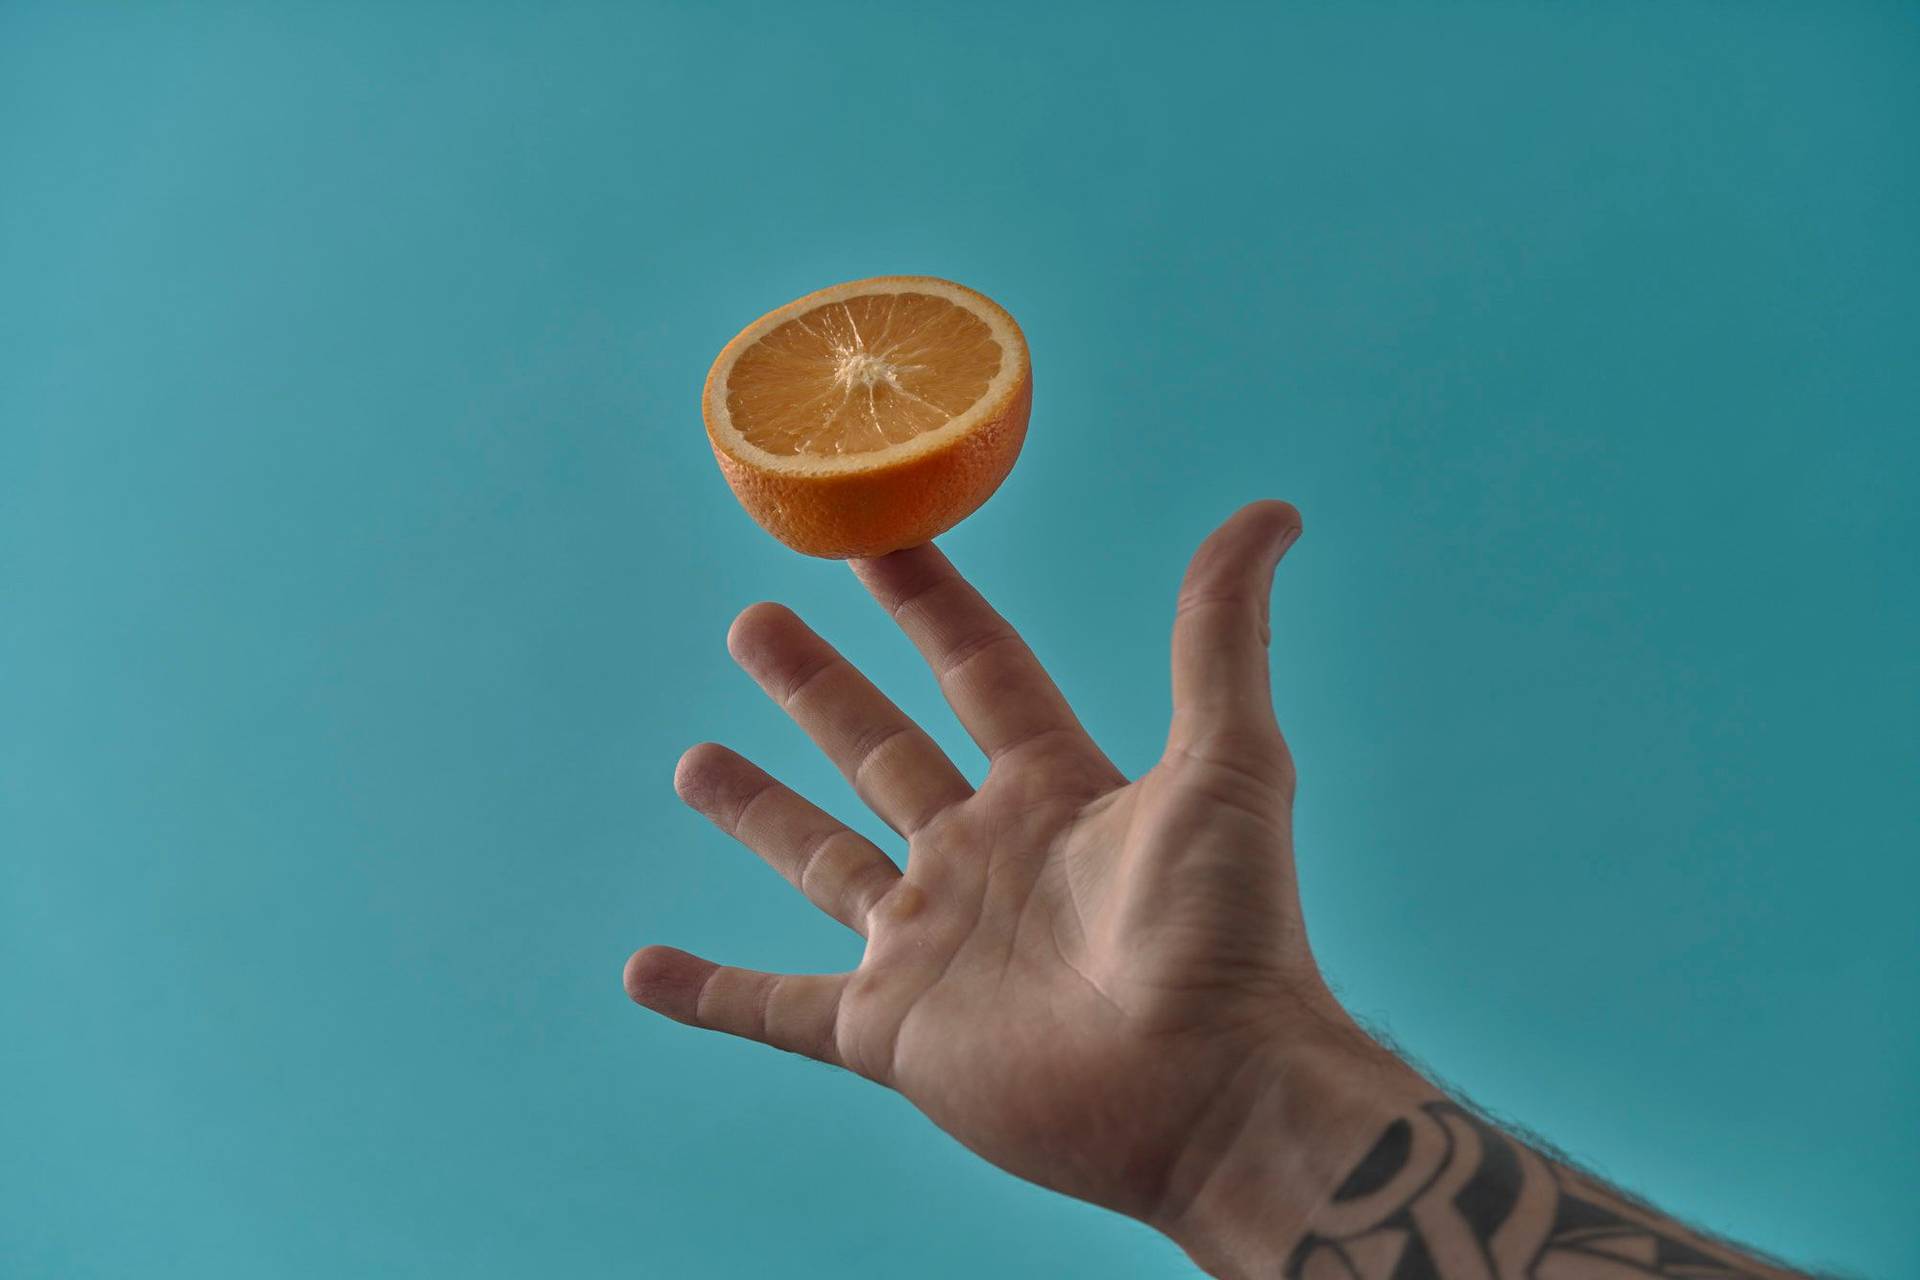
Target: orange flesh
[861,375]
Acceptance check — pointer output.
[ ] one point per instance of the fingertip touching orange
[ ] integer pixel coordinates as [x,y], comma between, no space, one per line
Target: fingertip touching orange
[872,415]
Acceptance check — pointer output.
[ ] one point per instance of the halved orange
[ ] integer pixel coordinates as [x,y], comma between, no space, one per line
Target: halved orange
[872,415]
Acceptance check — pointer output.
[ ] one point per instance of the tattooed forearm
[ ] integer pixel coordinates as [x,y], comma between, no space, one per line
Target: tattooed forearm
[1442,1195]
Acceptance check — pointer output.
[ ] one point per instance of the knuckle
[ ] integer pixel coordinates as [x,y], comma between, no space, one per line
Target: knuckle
[916,592]
[899,903]
[867,750]
[1255,755]
[816,857]
[866,985]
[1225,599]
[970,647]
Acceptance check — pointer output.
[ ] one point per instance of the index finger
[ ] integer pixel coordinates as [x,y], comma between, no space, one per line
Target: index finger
[990,677]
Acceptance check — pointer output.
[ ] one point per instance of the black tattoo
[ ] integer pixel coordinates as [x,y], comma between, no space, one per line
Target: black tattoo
[1445,1196]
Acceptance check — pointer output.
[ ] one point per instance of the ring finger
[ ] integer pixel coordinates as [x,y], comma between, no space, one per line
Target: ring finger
[839,870]
[897,769]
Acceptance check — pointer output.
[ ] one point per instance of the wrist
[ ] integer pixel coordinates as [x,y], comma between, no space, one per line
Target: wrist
[1309,1110]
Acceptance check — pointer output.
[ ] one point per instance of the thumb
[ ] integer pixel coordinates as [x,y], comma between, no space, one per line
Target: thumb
[1220,632]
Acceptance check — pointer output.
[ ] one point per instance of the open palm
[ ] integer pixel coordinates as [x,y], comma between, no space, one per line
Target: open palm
[1079,976]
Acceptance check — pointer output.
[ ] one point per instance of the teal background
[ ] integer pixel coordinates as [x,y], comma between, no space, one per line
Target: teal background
[363,571]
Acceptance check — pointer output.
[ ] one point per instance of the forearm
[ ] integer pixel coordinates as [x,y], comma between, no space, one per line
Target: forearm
[1353,1167]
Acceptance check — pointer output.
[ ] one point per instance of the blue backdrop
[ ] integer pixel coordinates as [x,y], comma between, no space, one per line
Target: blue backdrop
[363,571]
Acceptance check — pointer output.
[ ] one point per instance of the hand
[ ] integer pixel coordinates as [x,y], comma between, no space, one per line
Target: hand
[1093,982]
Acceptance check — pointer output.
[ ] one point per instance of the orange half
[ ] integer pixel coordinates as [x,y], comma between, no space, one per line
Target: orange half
[870,416]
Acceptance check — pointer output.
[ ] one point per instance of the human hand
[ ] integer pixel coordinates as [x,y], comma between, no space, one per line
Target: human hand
[1101,985]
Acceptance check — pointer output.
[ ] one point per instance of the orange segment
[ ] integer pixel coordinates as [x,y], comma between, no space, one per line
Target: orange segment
[872,415]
